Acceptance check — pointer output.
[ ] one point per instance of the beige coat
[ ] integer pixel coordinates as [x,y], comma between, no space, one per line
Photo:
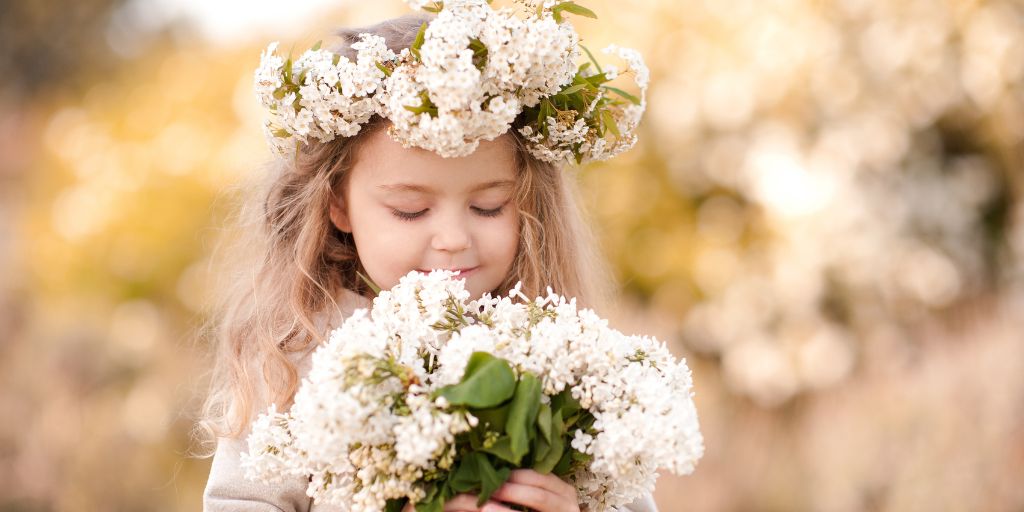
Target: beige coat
[227,490]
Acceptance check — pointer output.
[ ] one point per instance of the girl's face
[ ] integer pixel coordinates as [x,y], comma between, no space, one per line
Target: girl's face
[410,209]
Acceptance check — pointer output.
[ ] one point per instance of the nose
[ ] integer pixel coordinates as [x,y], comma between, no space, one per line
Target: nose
[451,235]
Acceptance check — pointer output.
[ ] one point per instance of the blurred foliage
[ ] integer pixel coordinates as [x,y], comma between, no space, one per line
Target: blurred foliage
[824,214]
[48,44]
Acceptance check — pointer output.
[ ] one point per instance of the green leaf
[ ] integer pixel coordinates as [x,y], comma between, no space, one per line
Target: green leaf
[573,89]
[547,462]
[418,42]
[431,505]
[287,70]
[487,382]
[317,46]
[592,59]
[436,8]
[446,493]
[539,451]
[475,471]
[574,8]
[387,72]
[425,106]
[564,466]
[434,505]
[495,416]
[490,479]
[624,94]
[558,427]
[596,79]
[565,402]
[547,109]
[544,421]
[609,122]
[479,53]
[522,415]
[502,448]
[395,505]
[582,419]
[466,477]
[431,492]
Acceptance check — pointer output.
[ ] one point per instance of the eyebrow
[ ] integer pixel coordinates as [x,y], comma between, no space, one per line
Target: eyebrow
[408,187]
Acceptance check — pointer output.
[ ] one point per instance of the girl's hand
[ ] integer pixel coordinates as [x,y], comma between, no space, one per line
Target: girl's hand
[465,503]
[542,493]
[539,492]
[459,503]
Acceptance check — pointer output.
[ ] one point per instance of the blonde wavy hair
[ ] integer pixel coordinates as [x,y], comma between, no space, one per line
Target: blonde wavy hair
[287,263]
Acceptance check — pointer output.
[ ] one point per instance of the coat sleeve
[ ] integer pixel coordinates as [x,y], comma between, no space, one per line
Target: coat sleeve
[644,503]
[227,489]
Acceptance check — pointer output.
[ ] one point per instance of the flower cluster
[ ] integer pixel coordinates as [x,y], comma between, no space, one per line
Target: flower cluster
[472,73]
[429,394]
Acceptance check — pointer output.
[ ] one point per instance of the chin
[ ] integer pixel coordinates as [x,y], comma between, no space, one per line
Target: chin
[476,291]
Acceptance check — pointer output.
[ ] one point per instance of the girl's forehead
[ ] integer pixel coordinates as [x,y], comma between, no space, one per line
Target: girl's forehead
[388,167]
[428,189]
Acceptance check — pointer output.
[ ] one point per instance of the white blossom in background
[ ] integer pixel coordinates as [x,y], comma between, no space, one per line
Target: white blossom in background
[847,146]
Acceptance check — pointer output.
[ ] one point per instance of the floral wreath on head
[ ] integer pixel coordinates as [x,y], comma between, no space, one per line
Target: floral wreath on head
[471,74]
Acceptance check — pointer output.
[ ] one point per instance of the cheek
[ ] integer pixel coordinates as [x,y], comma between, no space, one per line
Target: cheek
[503,240]
[388,248]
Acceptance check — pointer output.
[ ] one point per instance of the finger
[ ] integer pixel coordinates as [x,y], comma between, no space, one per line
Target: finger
[474,508]
[546,481]
[536,498]
[493,506]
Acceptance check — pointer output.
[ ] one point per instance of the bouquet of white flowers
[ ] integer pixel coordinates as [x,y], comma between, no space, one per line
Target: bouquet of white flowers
[429,394]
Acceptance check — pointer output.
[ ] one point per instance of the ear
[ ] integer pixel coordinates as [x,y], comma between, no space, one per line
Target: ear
[339,215]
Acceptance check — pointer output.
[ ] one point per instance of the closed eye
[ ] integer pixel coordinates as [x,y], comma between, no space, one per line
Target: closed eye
[494,212]
[403,215]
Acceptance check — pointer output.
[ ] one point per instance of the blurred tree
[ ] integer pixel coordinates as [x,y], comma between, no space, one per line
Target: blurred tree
[48,44]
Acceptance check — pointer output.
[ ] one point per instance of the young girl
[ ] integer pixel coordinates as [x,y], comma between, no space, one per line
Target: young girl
[367,204]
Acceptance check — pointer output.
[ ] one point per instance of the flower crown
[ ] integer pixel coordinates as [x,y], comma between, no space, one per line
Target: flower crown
[472,73]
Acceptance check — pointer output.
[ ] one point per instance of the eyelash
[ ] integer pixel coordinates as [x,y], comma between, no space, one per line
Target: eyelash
[411,216]
[407,215]
[489,213]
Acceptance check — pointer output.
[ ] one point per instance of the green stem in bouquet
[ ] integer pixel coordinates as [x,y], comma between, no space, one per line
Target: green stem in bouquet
[373,286]
[515,430]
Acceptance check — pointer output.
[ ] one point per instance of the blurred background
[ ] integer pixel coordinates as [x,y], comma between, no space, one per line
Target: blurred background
[825,216]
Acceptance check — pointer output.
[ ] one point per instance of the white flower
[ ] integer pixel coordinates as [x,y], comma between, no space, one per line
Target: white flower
[271,447]
[477,69]
[365,427]
[267,78]
[635,61]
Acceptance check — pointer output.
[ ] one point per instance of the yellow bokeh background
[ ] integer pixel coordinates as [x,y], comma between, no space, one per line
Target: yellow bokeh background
[824,216]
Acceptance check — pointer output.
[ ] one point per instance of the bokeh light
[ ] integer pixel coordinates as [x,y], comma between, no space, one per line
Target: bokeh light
[824,215]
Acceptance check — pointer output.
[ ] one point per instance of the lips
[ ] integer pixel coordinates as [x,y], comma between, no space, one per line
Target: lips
[463,272]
